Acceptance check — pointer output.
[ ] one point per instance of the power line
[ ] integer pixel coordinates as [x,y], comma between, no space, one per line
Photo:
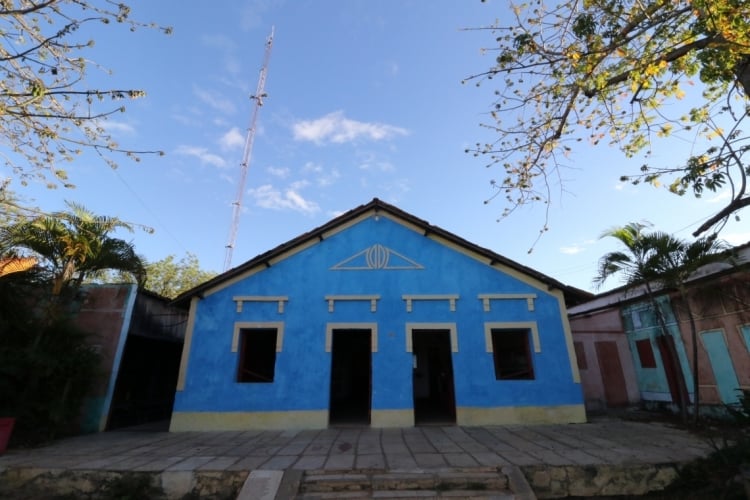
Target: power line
[148,209]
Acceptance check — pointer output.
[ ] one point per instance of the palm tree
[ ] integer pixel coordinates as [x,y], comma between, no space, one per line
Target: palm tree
[69,245]
[675,264]
[73,244]
[639,265]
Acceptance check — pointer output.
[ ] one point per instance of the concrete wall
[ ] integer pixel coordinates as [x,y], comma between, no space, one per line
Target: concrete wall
[382,257]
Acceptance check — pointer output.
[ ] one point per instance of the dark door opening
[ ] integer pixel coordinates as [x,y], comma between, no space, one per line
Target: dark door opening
[434,399]
[351,384]
[145,387]
[672,369]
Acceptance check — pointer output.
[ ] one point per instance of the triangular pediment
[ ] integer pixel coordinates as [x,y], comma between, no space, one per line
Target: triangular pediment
[377,257]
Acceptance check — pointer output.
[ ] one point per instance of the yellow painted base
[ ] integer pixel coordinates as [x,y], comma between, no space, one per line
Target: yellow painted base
[521,415]
[239,421]
[281,420]
[392,418]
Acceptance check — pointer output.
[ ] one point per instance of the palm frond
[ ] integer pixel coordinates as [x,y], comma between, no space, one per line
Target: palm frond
[16,265]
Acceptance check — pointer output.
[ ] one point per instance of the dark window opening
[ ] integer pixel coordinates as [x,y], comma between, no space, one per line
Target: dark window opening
[512,355]
[645,353]
[257,355]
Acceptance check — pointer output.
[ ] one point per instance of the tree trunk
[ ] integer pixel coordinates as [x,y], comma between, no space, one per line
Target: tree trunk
[694,340]
[743,75]
[65,275]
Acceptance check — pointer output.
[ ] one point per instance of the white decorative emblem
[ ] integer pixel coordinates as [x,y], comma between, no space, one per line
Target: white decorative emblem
[376,257]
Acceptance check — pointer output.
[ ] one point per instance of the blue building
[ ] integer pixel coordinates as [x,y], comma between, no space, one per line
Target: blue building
[377,318]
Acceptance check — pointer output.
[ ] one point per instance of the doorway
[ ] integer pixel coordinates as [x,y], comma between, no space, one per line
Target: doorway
[145,387]
[432,379]
[722,366]
[613,379]
[672,369]
[351,377]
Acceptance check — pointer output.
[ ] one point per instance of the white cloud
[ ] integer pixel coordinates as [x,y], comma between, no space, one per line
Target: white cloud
[232,65]
[222,42]
[393,189]
[301,204]
[220,122]
[329,178]
[312,167]
[383,166]
[202,154]
[735,239]
[336,128]
[185,120]
[572,249]
[722,197]
[251,16]
[267,196]
[371,161]
[214,100]
[280,172]
[115,126]
[233,139]
[576,248]
[297,185]
[322,178]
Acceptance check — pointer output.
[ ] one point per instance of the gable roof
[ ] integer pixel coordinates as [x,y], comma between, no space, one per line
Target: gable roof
[376,206]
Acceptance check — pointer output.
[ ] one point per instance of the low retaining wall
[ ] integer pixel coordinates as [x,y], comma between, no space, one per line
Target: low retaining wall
[545,481]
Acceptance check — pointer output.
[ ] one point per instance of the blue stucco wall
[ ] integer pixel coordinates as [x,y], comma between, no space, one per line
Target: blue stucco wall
[302,374]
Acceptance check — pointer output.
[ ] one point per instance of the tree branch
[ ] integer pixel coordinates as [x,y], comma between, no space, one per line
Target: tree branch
[669,57]
[29,10]
[733,206]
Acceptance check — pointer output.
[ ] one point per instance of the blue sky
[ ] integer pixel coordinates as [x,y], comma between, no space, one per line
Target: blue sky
[364,100]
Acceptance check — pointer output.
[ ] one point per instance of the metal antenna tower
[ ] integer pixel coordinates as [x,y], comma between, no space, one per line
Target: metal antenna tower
[237,204]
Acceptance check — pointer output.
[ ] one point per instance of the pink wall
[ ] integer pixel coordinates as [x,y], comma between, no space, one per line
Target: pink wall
[602,326]
[724,305]
[718,304]
[102,314]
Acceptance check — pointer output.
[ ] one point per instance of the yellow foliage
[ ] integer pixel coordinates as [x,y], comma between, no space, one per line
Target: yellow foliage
[16,265]
[717,132]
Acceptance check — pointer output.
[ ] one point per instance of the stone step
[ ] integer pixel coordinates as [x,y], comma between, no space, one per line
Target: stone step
[454,494]
[483,484]
[412,495]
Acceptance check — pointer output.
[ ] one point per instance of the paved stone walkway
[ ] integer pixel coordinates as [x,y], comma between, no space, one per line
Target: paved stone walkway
[605,442]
